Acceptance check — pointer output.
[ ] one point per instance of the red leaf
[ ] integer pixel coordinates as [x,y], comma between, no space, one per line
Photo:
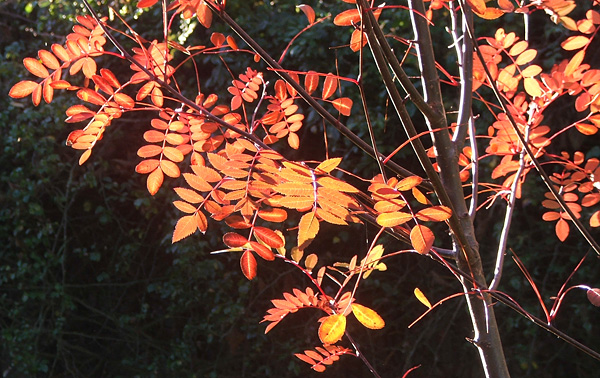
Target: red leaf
[308,11]
[421,238]
[262,251]
[311,81]
[268,236]
[185,226]
[146,3]
[248,264]
[562,229]
[329,86]
[234,240]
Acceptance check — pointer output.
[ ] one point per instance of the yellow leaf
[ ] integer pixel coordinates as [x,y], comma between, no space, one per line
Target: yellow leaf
[332,329]
[368,317]
[393,219]
[329,164]
[421,297]
[307,229]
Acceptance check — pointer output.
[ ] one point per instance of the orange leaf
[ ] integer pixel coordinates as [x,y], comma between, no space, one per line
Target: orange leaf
[332,329]
[574,63]
[311,81]
[308,11]
[575,42]
[421,297]
[329,86]
[477,5]
[308,228]
[408,183]
[595,219]
[329,164]
[343,105]
[185,226]
[491,14]
[145,166]
[358,40]
[347,18]
[532,87]
[562,229]
[434,214]
[35,67]
[293,140]
[421,238]
[22,89]
[273,215]
[393,219]
[368,317]
[155,180]
[262,251]
[248,264]
[204,15]
[169,168]
[593,296]
[268,236]
[149,150]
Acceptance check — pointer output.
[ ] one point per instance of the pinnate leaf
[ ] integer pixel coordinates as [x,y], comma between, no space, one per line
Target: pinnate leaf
[308,228]
[367,317]
[332,329]
[268,236]
[562,229]
[393,219]
[434,214]
[575,42]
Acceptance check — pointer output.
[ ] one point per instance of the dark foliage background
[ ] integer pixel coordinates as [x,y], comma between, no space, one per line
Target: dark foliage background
[90,284]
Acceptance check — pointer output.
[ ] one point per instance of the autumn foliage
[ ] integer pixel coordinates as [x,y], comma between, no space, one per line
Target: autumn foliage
[231,152]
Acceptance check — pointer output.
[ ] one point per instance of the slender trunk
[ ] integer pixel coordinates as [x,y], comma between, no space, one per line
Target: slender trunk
[486,336]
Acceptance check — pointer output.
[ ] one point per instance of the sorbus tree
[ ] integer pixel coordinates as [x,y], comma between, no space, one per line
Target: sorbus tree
[233,153]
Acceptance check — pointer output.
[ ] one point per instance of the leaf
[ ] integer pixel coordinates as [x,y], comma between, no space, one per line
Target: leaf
[595,219]
[421,237]
[332,329]
[154,181]
[308,11]
[408,183]
[526,57]
[262,251]
[393,219]
[273,215]
[368,317]
[308,228]
[593,296]
[185,226]
[343,105]
[146,3]
[22,89]
[532,87]
[248,264]
[234,240]
[421,297]
[311,81]
[562,229]
[329,164]
[347,18]
[574,63]
[311,261]
[477,5]
[491,13]
[575,42]
[36,68]
[358,40]
[434,214]
[329,86]
[268,236]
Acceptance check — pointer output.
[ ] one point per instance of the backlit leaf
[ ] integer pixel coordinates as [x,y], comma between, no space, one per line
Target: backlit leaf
[22,89]
[562,229]
[185,226]
[155,180]
[234,240]
[308,227]
[408,183]
[358,40]
[308,11]
[421,297]
[526,57]
[347,18]
[368,317]
[343,105]
[248,264]
[491,14]
[532,87]
[477,5]
[575,42]
[329,164]
[273,215]
[332,329]
[263,251]
[434,214]
[393,219]
[421,237]
[146,3]
[311,81]
[311,261]
[329,86]
[36,68]
[268,236]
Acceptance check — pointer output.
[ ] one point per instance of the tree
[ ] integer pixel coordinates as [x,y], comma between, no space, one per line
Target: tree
[231,154]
